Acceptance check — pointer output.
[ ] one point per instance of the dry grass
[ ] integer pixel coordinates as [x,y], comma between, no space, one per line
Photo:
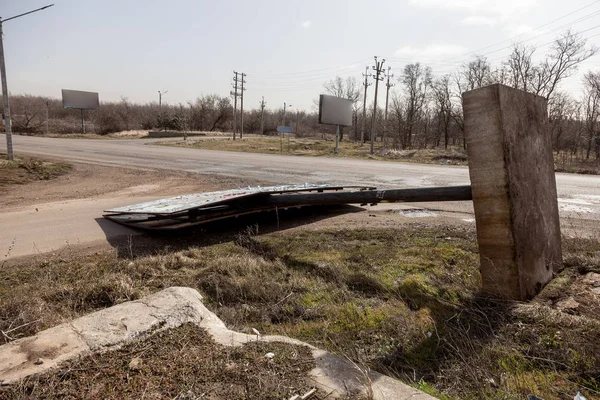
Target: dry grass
[26,169]
[320,147]
[566,162]
[183,363]
[405,302]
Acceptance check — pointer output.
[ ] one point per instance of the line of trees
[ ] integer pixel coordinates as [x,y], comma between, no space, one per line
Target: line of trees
[424,111]
[208,113]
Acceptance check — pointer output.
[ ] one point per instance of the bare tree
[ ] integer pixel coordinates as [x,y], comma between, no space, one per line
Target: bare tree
[416,80]
[520,69]
[562,111]
[210,112]
[591,82]
[348,89]
[474,74]
[442,95]
[397,111]
[28,113]
[567,52]
[125,112]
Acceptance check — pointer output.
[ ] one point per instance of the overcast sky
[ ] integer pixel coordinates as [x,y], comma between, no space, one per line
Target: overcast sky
[287,48]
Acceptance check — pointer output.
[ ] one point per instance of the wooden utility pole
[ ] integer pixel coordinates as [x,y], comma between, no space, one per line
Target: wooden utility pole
[366,85]
[378,68]
[262,113]
[242,107]
[235,96]
[387,98]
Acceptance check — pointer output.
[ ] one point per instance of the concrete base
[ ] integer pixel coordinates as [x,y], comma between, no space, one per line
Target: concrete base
[115,326]
[514,190]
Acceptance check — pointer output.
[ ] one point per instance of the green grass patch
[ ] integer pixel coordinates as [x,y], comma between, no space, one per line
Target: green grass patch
[323,147]
[402,301]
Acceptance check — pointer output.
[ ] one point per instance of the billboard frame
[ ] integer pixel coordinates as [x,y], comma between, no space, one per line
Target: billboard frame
[336,109]
[84,107]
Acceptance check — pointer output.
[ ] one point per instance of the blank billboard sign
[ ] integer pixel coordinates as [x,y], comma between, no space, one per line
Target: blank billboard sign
[80,100]
[335,110]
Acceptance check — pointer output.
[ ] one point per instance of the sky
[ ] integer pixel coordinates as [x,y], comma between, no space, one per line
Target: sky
[287,48]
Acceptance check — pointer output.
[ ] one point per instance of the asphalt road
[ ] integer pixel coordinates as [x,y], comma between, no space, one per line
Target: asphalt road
[264,167]
[579,195]
[277,168]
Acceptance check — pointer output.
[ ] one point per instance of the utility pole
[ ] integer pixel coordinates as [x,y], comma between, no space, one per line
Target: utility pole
[160,95]
[47,106]
[387,98]
[366,85]
[262,112]
[378,68]
[235,96]
[284,106]
[242,107]
[7,120]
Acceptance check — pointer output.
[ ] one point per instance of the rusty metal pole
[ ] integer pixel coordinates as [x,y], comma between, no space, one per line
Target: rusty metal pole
[7,123]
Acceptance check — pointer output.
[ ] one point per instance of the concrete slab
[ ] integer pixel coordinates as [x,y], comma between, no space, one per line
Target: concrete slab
[115,326]
[514,190]
[39,353]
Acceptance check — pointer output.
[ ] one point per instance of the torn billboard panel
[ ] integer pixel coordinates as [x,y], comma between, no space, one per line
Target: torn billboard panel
[195,209]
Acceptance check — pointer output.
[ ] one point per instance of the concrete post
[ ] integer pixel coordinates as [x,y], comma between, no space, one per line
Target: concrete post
[514,190]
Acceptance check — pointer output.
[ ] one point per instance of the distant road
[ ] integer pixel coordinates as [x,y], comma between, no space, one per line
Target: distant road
[264,167]
[579,195]
[268,167]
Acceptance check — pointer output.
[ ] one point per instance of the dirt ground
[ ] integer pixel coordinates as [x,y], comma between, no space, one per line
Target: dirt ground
[183,363]
[92,181]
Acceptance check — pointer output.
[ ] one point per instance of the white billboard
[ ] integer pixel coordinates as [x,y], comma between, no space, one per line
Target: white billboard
[335,110]
[80,100]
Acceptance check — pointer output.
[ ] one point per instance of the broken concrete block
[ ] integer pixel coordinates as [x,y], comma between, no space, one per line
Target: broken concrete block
[514,190]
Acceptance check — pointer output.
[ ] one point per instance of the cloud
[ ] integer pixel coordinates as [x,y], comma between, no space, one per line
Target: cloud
[523,30]
[306,24]
[503,8]
[431,51]
[479,20]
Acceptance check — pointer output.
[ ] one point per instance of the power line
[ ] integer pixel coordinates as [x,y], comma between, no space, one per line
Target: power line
[448,63]
[535,37]
[474,52]
[288,74]
[552,41]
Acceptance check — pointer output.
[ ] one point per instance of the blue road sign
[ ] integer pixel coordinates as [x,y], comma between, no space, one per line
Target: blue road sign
[285,129]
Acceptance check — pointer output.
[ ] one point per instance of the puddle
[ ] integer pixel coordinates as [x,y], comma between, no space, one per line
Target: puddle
[575,208]
[417,213]
[138,189]
[574,201]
